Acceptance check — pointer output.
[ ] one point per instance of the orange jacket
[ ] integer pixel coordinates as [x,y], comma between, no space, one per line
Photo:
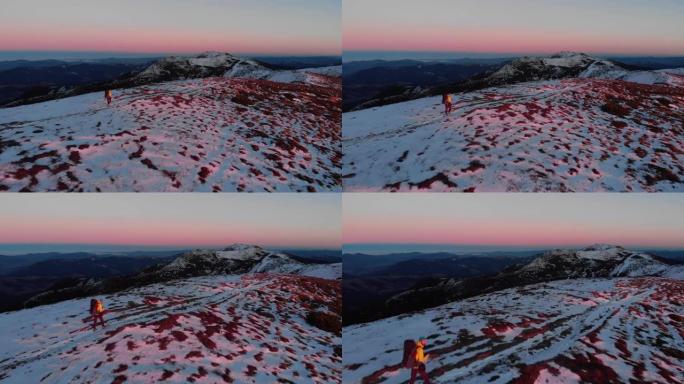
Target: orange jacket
[447,99]
[420,353]
[99,308]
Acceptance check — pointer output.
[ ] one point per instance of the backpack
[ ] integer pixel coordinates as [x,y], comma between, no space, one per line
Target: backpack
[409,358]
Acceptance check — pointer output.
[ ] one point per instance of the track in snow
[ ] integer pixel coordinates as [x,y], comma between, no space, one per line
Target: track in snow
[596,331]
[248,329]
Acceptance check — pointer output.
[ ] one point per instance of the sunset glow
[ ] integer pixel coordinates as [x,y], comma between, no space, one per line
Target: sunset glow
[524,27]
[305,27]
[184,220]
[533,220]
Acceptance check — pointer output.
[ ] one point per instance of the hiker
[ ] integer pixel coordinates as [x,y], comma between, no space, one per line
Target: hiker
[97,312]
[415,359]
[108,96]
[446,100]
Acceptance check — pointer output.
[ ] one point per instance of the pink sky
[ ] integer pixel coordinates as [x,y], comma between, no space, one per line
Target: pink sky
[521,27]
[304,27]
[504,41]
[514,219]
[111,39]
[187,220]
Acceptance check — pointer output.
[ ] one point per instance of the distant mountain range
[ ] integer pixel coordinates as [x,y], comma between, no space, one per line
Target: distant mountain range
[368,81]
[24,276]
[371,280]
[10,263]
[374,83]
[27,81]
[420,283]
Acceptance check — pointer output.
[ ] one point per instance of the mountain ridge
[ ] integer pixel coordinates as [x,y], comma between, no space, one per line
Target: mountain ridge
[562,65]
[553,265]
[173,68]
[236,259]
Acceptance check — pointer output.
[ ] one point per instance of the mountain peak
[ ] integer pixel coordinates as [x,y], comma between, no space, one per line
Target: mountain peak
[598,260]
[207,54]
[566,54]
[602,247]
[602,252]
[241,247]
[242,252]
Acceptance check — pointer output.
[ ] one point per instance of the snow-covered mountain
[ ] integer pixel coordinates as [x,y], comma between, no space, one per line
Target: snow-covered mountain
[607,330]
[208,64]
[599,260]
[577,65]
[250,328]
[241,258]
[589,131]
[559,66]
[212,64]
[233,260]
[210,134]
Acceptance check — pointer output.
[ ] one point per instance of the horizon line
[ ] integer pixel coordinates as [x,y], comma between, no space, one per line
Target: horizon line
[145,247]
[122,52]
[506,246]
[509,53]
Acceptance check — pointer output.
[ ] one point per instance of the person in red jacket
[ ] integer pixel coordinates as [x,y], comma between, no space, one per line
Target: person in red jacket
[97,312]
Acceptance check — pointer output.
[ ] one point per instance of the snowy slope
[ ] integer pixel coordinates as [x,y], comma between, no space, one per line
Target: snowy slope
[559,135]
[249,329]
[282,264]
[316,76]
[589,331]
[663,76]
[213,134]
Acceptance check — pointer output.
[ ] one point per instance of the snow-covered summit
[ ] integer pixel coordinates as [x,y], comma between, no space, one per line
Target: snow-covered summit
[592,252]
[245,258]
[203,65]
[241,252]
[580,65]
[599,260]
[561,65]
[220,64]
[601,252]
[569,59]
[234,259]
